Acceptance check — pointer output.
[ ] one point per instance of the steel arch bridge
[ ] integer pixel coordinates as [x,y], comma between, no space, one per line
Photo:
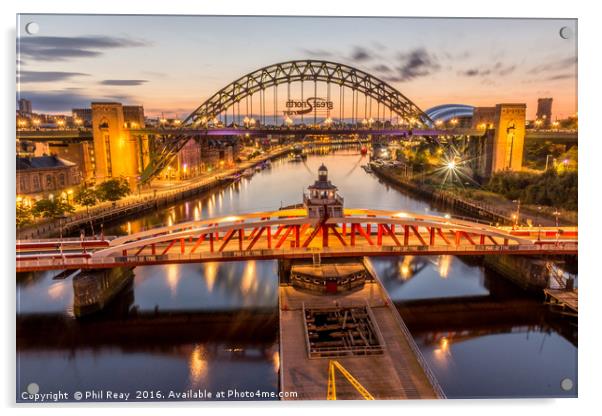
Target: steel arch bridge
[286,73]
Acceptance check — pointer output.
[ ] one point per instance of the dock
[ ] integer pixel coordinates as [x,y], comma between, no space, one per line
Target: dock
[394,370]
[567,299]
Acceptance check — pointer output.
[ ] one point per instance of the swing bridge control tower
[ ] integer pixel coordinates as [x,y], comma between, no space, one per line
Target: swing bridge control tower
[341,336]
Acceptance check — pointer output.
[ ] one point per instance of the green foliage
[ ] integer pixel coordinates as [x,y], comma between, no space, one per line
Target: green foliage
[113,189]
[86,197]
[23,215]
[536,153]
[51,208]
[550,188]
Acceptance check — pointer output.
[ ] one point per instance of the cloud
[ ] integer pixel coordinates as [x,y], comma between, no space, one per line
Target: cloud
[498,70]
[60,48]
[474,72]
[65,100]
[415,64]
[555,65]
[123,82]
[25,77]
[382,68]
[317,53]
[360,54]
[560,76]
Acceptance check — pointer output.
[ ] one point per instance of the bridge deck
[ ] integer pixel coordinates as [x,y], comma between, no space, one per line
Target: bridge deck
[566,298]
[395,374]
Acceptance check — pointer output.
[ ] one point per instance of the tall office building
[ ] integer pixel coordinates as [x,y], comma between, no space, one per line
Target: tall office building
[544,111]
[25,106]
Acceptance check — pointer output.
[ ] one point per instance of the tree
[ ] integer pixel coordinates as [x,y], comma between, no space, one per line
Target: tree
[87,197]
[113,189]
[51,208]
[23,215]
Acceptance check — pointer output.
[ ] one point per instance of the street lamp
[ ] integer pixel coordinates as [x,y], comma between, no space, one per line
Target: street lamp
[516,216]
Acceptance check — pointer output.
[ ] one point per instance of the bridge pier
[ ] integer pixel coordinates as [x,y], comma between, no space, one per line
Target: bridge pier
[93,290]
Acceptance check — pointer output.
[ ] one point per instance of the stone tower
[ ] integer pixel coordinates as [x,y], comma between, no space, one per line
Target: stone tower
[509,137]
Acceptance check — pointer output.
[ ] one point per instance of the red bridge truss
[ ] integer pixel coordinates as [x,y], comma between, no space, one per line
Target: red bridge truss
[292,234]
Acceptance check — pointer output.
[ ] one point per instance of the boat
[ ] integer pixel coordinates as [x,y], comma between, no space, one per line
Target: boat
[367,168]
[248,173]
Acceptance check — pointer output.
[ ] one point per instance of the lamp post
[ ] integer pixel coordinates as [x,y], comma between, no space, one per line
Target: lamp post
[61,218]
[517,215]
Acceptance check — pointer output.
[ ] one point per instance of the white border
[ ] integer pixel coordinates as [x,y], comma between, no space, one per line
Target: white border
[589,185]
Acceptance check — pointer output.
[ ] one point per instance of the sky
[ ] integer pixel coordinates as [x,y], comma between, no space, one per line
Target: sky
[172,64]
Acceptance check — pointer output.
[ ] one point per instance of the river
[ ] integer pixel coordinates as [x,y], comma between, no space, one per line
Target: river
[481,336]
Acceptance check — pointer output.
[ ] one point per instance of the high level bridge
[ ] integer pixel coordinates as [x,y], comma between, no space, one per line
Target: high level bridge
[296,98]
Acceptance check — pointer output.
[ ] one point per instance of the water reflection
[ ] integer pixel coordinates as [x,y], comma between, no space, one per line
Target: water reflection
[201,325]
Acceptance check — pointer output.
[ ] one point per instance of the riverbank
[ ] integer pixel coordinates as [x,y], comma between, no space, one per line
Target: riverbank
[142,201]
[494,210]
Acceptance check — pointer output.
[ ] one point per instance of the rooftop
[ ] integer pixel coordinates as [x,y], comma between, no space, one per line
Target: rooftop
[42,162]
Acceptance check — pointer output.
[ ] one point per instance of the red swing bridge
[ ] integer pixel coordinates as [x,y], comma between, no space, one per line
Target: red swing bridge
[319,228]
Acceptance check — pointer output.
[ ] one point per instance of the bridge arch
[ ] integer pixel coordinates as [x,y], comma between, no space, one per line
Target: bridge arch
[289,72]
[309,70]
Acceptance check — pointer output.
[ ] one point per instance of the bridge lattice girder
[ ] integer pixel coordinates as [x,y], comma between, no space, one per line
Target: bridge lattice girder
[290,233]
[286,73]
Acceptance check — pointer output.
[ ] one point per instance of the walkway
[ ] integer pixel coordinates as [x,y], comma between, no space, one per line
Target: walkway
[397,373]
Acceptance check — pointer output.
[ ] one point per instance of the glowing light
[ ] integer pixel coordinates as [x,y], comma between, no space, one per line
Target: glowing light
[405,269]
[231,218]
[249,280]
[444,344]
[451,165]
[210,275]
[173,277]
[276,361]
[197,365]
[444,265]
[401,215]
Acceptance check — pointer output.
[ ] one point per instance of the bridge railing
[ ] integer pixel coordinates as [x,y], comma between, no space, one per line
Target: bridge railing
[60,261]
[408,335]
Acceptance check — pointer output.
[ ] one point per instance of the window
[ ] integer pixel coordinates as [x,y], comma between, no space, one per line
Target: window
[36,183]
[108,155]
[48,181]
[62,179]
[23,184]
